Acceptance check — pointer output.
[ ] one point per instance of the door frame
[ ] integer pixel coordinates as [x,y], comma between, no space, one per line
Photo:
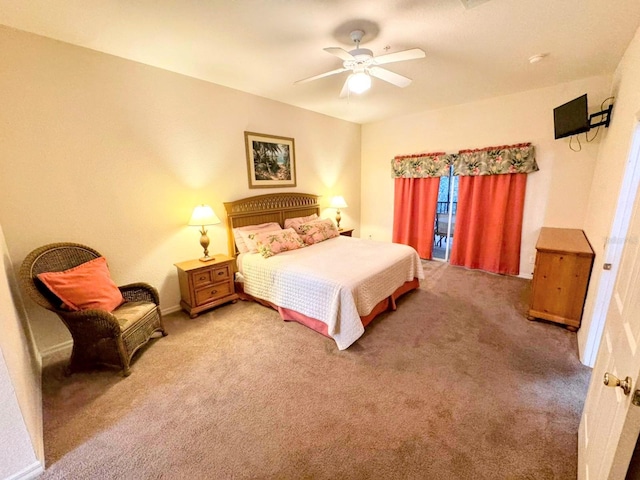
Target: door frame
[614,246]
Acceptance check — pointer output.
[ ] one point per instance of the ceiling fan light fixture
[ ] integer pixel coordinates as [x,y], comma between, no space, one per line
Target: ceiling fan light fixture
[359,82]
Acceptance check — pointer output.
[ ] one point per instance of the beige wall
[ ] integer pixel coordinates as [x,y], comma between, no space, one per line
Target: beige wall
[557,195]
[610,168]
[115,154]
[21,443]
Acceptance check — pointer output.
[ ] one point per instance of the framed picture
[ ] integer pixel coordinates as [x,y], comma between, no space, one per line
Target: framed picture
[271,160]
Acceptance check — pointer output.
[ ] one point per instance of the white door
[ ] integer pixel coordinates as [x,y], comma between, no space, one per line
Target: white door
[613,250]
[610,422]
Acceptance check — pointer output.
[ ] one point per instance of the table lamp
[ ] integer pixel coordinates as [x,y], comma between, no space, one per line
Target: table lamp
[202,216]
[338,203]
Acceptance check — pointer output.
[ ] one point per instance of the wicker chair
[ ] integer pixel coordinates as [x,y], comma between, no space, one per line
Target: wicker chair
[99,337]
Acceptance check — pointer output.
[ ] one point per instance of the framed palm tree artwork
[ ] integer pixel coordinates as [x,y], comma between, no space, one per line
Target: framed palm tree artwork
[271,160]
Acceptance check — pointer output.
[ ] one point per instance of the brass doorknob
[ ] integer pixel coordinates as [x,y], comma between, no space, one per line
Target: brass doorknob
[613,381]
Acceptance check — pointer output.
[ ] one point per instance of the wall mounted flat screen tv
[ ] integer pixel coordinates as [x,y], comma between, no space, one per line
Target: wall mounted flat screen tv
[571,118]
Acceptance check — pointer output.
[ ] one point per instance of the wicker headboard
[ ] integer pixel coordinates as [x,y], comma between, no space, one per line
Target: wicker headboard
[274,207]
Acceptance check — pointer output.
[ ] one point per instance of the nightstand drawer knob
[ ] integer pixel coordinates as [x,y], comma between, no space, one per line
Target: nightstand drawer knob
[221,273]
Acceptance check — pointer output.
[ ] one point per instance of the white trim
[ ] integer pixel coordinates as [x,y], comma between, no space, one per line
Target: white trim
[167,311]
[613,248]
[32,471]
[586,431]
[56,348]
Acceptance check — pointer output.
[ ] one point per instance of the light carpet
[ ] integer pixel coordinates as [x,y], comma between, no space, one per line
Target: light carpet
[456,384]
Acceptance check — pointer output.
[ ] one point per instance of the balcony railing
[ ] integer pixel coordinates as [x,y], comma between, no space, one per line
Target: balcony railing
[443,207]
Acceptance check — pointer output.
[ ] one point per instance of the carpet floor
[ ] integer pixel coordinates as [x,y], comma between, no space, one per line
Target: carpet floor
[456,384]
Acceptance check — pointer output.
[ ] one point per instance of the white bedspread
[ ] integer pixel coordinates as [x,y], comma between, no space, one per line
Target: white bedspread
[336,281]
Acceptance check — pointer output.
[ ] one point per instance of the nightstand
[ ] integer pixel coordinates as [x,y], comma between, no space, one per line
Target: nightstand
[347,232]
[204,285]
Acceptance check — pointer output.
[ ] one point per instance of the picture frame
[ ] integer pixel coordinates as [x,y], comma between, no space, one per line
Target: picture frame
[271,160]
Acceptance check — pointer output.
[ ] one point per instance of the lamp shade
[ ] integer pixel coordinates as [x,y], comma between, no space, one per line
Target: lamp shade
[203,215]
[359,82]
[338,202]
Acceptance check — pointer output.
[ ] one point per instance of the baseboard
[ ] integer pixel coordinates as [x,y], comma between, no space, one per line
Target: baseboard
[167,311]
[32,471]
[56,349]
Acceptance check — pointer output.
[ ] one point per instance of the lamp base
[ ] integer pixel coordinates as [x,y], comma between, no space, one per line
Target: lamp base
[204,242]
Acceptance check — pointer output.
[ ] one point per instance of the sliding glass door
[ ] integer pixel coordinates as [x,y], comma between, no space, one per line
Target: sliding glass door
[445,220]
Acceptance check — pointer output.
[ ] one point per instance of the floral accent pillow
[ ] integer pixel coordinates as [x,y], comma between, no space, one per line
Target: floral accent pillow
[242,233]
[296,222]
[318,231]
[271,243]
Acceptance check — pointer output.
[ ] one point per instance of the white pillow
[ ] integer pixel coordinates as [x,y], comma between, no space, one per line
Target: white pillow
[239,231]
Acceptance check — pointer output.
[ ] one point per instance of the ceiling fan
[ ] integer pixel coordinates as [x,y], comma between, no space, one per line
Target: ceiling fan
[363,65]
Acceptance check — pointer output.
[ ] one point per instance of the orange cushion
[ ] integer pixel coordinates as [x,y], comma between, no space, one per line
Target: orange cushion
[88,285]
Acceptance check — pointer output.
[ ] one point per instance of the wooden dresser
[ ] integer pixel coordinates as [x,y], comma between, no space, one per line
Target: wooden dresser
[204,285]
[563,266]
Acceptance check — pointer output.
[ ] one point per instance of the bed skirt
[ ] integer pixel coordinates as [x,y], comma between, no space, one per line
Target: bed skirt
[385,305]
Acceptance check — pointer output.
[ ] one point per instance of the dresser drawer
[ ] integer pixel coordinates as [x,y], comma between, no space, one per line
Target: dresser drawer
[213,292]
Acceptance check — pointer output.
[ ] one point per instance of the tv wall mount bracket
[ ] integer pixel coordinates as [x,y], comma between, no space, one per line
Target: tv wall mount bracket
[604,120]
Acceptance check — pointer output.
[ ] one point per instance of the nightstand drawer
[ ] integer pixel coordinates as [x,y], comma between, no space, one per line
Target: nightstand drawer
[203,277]
[212,293]
[207,276]
[221,272]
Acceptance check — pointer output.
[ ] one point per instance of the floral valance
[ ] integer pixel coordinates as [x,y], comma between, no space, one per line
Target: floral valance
[519,158]
[421,165]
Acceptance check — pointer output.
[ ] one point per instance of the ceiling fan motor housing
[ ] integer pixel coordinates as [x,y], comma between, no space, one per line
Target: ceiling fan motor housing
[361,53]
[362,58]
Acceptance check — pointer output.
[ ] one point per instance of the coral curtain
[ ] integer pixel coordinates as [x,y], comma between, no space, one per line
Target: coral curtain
[414,213]
[489,222]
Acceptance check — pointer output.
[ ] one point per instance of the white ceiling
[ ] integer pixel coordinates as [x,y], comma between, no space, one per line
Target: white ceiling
[475,48]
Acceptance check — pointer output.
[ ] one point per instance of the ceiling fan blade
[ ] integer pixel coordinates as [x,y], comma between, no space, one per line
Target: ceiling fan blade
[410,54]
[339,52]
[322,75]
[389,76]
[345,88]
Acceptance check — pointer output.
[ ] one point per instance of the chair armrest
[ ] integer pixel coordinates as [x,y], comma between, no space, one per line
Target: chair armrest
[140,292]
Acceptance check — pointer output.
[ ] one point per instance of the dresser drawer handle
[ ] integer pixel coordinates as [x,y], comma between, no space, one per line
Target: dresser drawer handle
[221,272]
[203,277]
[213,292]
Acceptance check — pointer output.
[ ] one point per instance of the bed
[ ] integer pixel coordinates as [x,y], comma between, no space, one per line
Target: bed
[335,287]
